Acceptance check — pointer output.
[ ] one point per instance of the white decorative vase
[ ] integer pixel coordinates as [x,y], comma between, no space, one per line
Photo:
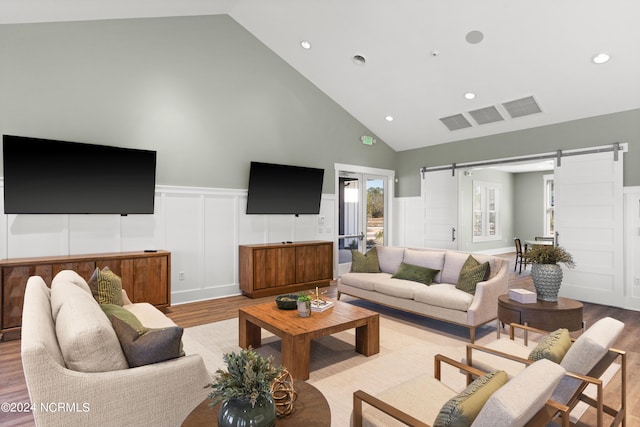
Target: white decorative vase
[304,308]
[547,279]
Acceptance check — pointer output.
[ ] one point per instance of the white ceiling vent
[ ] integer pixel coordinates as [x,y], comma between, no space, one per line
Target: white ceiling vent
[455,122]
[486,115]
[522,107]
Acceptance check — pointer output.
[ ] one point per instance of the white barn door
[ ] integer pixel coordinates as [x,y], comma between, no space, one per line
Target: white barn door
[589,224]
[440,197]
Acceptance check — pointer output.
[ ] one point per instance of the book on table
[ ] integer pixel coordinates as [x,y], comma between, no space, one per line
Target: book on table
[320,305]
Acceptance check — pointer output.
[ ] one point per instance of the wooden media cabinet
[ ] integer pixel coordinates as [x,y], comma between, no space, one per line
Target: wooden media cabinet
[278,268]
[146,276]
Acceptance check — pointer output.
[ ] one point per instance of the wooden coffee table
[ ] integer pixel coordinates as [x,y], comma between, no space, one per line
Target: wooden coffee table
[311,409]
[297,332]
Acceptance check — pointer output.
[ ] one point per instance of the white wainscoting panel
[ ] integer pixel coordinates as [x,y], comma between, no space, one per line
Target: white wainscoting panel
[201,227]
[408,222]
[632,247]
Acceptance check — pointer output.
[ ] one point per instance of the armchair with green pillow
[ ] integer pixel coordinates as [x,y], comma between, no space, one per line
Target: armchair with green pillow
[72,354]
[490,400]
[585,359]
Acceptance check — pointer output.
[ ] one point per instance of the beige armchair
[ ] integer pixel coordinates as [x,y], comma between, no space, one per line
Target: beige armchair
[587,359]
[419,401]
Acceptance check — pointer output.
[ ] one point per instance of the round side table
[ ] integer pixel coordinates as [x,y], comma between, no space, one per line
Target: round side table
[545,315]
[311,410]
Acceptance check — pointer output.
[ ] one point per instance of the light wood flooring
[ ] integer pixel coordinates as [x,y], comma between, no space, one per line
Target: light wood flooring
[13,387]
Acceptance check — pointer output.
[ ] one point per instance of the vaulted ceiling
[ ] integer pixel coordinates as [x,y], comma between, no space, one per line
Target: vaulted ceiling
[415,60]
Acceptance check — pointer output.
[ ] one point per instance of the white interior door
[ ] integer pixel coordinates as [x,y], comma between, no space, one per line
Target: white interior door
[589,224]
[440,197]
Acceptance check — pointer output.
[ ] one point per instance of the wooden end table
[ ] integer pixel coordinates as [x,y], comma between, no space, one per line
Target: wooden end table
[545,315]
[311,410]
[297,332]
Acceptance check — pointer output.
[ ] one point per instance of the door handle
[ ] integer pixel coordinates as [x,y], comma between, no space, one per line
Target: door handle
[361,236]
[453,234]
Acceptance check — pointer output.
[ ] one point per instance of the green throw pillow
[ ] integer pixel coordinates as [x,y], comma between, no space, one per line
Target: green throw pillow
[415,273]
[367,263]
[106,286]
[553,346]
[155,345]
[462,409]
[125,315]
[471,273]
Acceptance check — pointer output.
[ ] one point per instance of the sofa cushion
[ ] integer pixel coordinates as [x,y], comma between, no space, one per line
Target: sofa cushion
[153,346]
[415,273]
[552,346]
[471,273]
[106,286]
[72,277]
[389,258]
[86,338]
[397,287]
[443,295]
[462,409]
[453,262]
[515,403]
[363,280]
[365,263]
[426,258]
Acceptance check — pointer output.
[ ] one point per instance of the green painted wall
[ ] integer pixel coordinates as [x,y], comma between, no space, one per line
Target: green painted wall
[202,91]
[528,207]
[594,131]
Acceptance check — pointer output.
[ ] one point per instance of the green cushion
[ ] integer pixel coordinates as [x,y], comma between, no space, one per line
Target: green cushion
[471,273]
[553,346]
[365,263]
[415,273]
[124,314]
[462,409]
[106,286]
[155,345]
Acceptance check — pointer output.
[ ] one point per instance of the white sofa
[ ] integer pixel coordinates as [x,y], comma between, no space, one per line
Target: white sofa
[440,300]
[76,371]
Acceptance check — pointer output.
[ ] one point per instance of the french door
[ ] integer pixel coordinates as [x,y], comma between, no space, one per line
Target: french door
[361,211]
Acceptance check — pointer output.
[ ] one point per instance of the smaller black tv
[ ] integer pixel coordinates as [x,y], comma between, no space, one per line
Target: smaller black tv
[284,189]
[43,176]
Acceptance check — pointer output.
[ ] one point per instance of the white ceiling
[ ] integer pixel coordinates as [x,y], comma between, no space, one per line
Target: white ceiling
[539,48]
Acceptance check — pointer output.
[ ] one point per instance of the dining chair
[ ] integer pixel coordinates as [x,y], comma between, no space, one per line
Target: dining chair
[521,255]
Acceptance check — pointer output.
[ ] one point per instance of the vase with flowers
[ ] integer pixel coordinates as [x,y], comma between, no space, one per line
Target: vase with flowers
[245,390]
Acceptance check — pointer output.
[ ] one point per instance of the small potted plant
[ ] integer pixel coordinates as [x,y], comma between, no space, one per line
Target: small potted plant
[245,390]
[545,271]
[304,305]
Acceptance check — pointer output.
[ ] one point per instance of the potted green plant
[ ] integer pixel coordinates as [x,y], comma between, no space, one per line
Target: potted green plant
[304,305]
[245,390]
[545,271]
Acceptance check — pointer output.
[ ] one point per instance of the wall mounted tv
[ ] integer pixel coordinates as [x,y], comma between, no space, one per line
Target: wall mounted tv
[284,189]
[43,176]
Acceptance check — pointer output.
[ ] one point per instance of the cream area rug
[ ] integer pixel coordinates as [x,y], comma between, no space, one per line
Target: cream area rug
[408,344]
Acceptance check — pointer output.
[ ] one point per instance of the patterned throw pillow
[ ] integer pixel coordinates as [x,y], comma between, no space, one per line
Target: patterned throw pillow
[471,273]
[155,345]
[553,346]
[463,408]
[106,286]
[416,273]
[125,315]
[367,263]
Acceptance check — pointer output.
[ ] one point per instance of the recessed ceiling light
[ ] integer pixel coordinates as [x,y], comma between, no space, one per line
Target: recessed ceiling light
[474,37]
[469,95]
[389,118]
[305,44]
[359,59]
[601,58]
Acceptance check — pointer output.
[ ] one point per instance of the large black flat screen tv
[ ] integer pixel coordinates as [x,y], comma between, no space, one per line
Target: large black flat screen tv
[283,189]
[43,176]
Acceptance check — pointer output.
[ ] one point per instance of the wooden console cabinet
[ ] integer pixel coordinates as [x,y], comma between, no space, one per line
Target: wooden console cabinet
[278,268]
[146,276]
